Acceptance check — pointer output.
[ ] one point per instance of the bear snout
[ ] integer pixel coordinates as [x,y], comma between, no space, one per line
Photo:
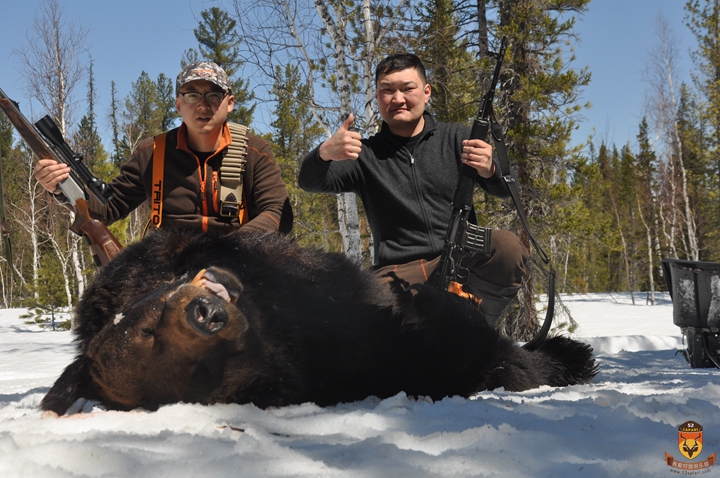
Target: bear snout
[207,317]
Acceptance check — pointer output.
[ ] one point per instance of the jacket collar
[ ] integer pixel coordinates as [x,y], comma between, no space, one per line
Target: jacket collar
[225,139]
[430,126]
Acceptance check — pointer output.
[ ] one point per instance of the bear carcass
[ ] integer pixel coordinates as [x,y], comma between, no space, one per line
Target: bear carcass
[254,318]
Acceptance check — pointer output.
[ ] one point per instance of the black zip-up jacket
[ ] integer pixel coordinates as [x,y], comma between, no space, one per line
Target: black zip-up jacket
[407,198]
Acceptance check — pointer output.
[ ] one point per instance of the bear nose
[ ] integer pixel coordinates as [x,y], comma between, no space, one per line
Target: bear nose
[206,317]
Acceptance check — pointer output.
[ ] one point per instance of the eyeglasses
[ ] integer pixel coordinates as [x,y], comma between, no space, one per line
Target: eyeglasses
[212,97]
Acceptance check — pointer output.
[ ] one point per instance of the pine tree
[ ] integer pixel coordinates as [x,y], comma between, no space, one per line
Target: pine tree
[141,118]
[51,299]
[218,42]
[647,207]
[118,154]
[628,223]
[539,98]
[6,133]
[698,159]
[166,102]
[703,19]
[589,227]
[86,140]
[295,132]
[609,163]
[8,272]
[454,74]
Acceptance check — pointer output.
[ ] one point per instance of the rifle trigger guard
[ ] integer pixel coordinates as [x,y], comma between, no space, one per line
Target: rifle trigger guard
[463,273]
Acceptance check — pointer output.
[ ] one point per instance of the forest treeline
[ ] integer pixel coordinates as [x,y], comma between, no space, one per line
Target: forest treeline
[607,214]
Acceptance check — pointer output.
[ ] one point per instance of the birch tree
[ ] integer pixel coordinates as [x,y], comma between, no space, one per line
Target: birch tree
[10,275]
[335,48]
[662,108]
[27,213]
[51,64]
[52,69]
[646,198]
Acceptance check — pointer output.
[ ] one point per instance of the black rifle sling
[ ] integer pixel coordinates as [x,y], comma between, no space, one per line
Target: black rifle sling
[506,172]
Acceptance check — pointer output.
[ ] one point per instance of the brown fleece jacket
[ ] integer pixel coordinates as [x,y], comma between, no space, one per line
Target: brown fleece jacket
[191,187]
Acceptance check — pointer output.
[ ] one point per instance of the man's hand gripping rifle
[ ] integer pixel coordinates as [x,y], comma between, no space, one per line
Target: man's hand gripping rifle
[462,236]
[46,141]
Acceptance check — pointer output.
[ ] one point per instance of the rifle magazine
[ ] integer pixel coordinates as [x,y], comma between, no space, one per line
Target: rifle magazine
[477,239]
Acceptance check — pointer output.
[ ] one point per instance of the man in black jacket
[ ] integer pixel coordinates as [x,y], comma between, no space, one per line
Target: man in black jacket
[406,176]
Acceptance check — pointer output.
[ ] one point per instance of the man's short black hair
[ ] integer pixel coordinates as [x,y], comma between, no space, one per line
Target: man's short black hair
[400,61]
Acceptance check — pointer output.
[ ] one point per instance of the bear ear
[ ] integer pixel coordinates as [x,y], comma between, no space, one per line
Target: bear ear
[74,383]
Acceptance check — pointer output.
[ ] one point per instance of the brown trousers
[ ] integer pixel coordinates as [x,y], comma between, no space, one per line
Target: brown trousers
[496,276]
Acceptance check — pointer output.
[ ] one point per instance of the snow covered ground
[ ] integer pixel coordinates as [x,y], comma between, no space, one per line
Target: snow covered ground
[622,424]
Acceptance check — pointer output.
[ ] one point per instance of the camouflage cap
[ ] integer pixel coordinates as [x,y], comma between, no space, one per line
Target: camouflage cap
[202,70]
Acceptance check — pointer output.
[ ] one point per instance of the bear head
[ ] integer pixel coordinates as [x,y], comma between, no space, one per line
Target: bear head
[170,345]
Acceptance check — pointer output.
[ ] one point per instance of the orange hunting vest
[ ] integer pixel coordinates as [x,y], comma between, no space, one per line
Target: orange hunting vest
[231,178]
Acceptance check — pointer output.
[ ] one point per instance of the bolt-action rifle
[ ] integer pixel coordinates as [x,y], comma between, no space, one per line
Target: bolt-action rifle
[463,237]
[46,141]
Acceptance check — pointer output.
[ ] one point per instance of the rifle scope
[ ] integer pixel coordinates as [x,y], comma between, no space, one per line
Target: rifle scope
[52,133]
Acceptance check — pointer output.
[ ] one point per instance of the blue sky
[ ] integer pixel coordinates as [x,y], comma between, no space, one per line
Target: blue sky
[130,36]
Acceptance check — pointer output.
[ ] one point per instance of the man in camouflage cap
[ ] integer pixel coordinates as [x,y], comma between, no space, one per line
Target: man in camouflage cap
[203,70]
[193,153]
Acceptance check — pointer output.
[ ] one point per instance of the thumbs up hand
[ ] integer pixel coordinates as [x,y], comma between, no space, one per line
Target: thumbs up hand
[344,144]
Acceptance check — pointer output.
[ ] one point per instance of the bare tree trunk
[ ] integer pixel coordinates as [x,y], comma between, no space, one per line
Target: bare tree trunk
[27,216]
[624,246]
[77,262]
[656,236]
[6,294]
[347,207]
[50,63]
[648,234]
[349,225]
[368,60]
[565,269]
[663,108]
[52,69]
[64,259]
[136,224]
[483,42]
[292,33]
[670,236]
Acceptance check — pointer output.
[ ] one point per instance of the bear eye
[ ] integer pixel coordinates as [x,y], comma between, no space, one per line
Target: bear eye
[147,332]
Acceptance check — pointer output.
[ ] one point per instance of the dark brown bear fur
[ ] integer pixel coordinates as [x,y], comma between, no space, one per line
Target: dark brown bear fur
[297,325]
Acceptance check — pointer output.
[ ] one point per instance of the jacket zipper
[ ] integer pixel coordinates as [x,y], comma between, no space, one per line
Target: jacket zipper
[419,195]
[203,188]
[214,190]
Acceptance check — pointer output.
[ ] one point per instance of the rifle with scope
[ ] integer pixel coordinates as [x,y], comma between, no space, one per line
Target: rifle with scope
[46,141]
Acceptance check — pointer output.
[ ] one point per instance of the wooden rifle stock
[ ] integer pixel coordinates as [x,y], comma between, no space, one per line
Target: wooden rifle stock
[103,244]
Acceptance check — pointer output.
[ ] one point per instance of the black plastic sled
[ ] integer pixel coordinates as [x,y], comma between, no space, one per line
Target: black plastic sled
[695,291]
